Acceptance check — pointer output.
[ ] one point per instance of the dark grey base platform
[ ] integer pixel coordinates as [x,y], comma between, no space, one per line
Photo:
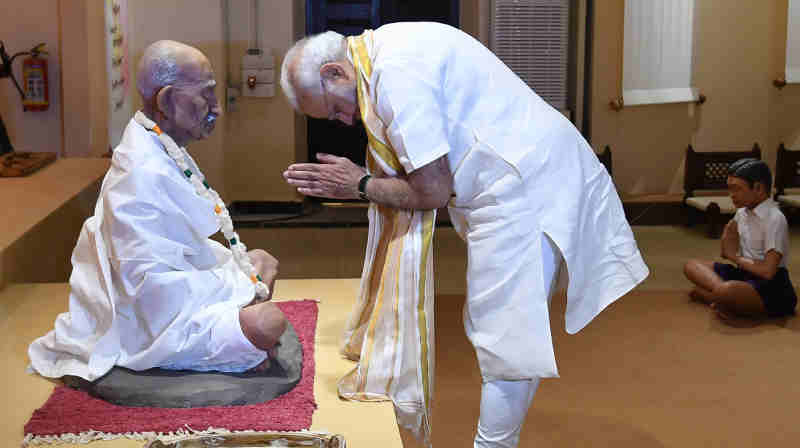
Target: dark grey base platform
[188,389]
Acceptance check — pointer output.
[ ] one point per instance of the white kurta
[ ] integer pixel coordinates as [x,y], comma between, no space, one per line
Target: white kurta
[521,172]
[148,288]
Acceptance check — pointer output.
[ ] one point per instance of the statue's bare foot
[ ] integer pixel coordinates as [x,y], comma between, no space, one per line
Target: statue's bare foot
[256,300]
[261,368]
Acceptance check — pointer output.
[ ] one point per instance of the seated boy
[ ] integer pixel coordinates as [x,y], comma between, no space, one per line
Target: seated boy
[756,242]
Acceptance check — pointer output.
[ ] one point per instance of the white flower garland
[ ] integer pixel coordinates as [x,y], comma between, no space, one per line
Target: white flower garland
[202,188]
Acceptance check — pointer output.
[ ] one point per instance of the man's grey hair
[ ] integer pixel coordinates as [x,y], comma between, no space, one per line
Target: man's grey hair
[161,65]
[310,53]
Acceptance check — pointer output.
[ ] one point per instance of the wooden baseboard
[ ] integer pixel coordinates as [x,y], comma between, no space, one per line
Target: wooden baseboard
[642,213]
[661,210]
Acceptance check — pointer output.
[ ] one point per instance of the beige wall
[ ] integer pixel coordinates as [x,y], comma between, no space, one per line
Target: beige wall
[80,67]
[252,145]
[469,17]
[197,23]
[784,104]
[474,18]
[255,141]
[32,22]
[84,78]
[739,50]
[75,74]
[98,77]
[264,135]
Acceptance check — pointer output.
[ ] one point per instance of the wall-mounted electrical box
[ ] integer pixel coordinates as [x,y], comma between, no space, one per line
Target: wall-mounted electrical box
[258,74]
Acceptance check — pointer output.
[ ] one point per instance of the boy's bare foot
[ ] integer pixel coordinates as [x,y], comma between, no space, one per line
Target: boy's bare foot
[732,319]
[695,296]
[722,314]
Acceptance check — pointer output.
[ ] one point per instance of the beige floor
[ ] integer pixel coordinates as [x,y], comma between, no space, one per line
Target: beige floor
[23,393]
[652,371]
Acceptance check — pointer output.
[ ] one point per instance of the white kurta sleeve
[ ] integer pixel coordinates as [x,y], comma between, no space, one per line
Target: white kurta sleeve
[409,101]
[777,237]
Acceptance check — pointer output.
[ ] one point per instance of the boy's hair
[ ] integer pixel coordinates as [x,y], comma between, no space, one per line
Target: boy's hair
[752,171]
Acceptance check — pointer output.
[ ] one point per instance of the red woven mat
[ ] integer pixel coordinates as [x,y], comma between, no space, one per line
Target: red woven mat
[69,411]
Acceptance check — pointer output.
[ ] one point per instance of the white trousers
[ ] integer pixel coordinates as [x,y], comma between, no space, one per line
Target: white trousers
[504,404]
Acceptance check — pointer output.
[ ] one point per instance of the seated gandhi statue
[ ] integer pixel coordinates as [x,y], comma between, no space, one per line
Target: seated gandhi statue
[148,287]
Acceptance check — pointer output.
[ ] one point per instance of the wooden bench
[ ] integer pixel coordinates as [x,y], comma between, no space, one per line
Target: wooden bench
[787,176]
[44,213]
[705,185]
[787,182]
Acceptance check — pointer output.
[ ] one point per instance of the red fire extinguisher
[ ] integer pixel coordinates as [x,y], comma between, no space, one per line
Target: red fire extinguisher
[34,80]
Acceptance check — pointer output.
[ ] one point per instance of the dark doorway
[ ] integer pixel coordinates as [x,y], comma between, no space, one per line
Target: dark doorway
[350,17]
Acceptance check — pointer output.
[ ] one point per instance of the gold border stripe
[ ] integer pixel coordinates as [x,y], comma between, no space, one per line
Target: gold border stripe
[407,221]
[364,68]
[427,238]
[366,355]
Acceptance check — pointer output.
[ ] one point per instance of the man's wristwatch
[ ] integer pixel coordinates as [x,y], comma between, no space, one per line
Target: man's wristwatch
[362,187]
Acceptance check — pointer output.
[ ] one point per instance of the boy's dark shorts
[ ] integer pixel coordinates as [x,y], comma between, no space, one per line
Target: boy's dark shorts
[778,294]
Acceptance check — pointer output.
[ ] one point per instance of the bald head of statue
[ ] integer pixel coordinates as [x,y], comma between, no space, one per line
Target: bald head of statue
[177,85]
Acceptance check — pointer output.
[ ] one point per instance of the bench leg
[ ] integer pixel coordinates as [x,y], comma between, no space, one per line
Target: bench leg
[691,215]
[714,216]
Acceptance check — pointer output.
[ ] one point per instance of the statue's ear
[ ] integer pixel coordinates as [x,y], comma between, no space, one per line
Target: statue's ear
[165,101]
